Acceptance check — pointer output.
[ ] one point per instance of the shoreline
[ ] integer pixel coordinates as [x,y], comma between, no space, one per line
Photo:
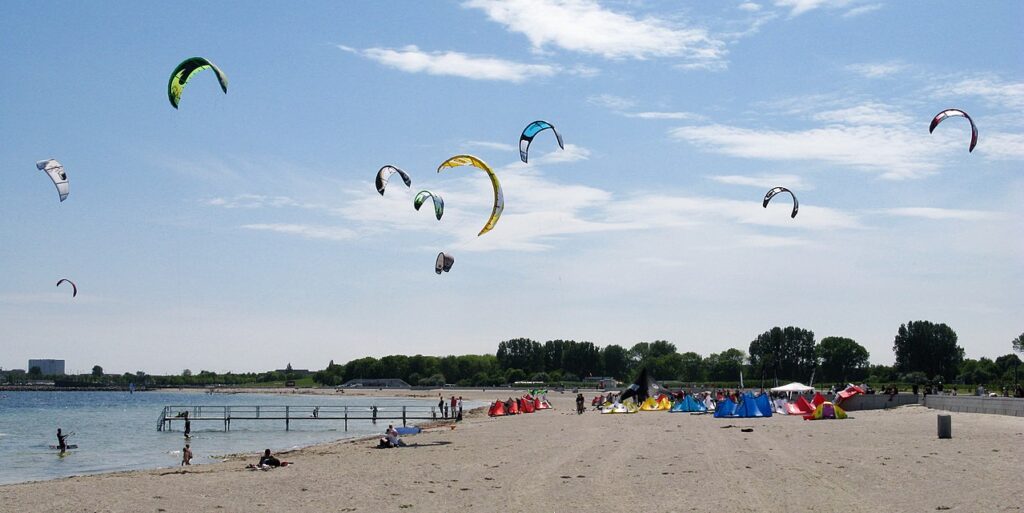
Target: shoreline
[651,461]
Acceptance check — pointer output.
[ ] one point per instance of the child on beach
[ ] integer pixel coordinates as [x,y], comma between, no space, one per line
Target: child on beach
[186,456]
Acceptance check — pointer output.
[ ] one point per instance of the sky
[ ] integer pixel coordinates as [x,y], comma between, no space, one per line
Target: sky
[242,231]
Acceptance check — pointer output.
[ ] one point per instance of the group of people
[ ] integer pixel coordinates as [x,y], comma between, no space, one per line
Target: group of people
[455,411]
[390,439]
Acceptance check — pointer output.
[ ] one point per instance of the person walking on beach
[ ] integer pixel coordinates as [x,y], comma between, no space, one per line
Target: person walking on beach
[579,404]
[440,405]
[186,456]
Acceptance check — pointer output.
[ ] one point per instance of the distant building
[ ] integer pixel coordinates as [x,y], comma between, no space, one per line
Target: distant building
[602,381]
[296,372]
[48,367]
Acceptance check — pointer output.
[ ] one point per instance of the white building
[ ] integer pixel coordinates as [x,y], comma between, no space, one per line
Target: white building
[48,367]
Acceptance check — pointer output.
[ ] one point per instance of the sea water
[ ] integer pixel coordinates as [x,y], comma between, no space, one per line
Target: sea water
[117,431]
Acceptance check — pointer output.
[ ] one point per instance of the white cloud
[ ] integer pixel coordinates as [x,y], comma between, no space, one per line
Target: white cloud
[305,230]
[766,182]
[877,69]
[491,145]
[1002,146]
[863,9]
[665,115]
[799,7]
[897,152]
[585,26]
[571,153]
[610,101]
[254,201]
[870,113]
[413,60]
[943,213]
[990,88]
[750,7]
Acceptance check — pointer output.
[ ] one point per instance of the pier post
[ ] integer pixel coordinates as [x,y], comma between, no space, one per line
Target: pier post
[286,416]
[403,416]
[346,418]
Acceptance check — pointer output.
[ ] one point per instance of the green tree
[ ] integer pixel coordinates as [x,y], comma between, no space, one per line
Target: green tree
[581,358]
[842,359]
[616,361]
[691,367]
[784,353]
[521,353]
[1018,343]
[725,366]
[97,371]
[186,373]
[929,348]
[35,371]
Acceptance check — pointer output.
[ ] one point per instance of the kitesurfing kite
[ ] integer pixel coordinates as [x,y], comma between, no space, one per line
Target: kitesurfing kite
[951,113]
[444,262]
[56,173]
[775,190]
[74,289]
[531,131]
[185,71]
[421,197]
[385,173]
[499,198]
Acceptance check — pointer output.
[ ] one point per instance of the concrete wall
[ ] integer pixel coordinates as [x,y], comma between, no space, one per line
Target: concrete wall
[974,404]
[877,402]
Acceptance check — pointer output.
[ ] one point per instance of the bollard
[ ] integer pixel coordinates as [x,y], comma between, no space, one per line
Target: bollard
[945,426]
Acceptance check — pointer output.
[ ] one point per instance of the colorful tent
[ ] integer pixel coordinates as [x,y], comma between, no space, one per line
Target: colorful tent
[540,405]
[725,408]
[497,409]
[527,405]
[620,408]
[798,388]
[826,410]
[662,403]
[688,403]
[818,399]
[514,409]
[799,407]
[751,406]
[850,391]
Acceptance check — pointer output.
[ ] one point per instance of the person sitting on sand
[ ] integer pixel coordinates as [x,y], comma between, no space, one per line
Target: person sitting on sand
[392,436]
[269,460]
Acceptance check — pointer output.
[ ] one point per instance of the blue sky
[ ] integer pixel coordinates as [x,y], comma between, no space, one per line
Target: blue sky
[243,231]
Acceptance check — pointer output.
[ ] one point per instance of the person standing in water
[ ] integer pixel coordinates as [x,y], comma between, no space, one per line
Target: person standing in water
[62,441]
[186,456]
[188,426]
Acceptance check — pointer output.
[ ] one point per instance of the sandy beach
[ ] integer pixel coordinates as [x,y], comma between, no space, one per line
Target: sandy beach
[884,460]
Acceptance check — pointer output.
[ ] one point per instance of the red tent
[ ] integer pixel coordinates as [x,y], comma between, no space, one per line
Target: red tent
[527,405]
[497,409]
[849,392]
[514,410]
[799,407]
[540,405]
[818,399]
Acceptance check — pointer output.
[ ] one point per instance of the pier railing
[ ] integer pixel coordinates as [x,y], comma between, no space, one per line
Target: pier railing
[288,414]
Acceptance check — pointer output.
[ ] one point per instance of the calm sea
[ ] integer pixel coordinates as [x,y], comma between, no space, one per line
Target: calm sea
[117,430]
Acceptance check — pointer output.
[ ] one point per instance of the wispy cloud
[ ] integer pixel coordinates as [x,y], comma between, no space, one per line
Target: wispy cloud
[943,213]
[749,7]
[798,7]
[611,101]
[413,60]
[765,182]
[877,69]
[587,27]
[1002,146]
[870,113]
[665,115]
[990,88]
[571,153]
[863,9]
[897,152]
[305,230]
[490,145]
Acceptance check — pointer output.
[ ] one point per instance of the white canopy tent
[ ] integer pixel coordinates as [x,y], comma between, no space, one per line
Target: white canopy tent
[794,387]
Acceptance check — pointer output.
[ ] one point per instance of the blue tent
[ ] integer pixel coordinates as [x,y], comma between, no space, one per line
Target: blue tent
[688,404]
[725,408]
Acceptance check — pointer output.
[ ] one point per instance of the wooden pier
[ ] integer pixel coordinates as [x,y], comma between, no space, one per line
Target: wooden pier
[289,414]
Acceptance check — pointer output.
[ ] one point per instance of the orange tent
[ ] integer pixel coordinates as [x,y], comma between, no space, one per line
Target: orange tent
[818,399]
[799,407]
[527,405]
